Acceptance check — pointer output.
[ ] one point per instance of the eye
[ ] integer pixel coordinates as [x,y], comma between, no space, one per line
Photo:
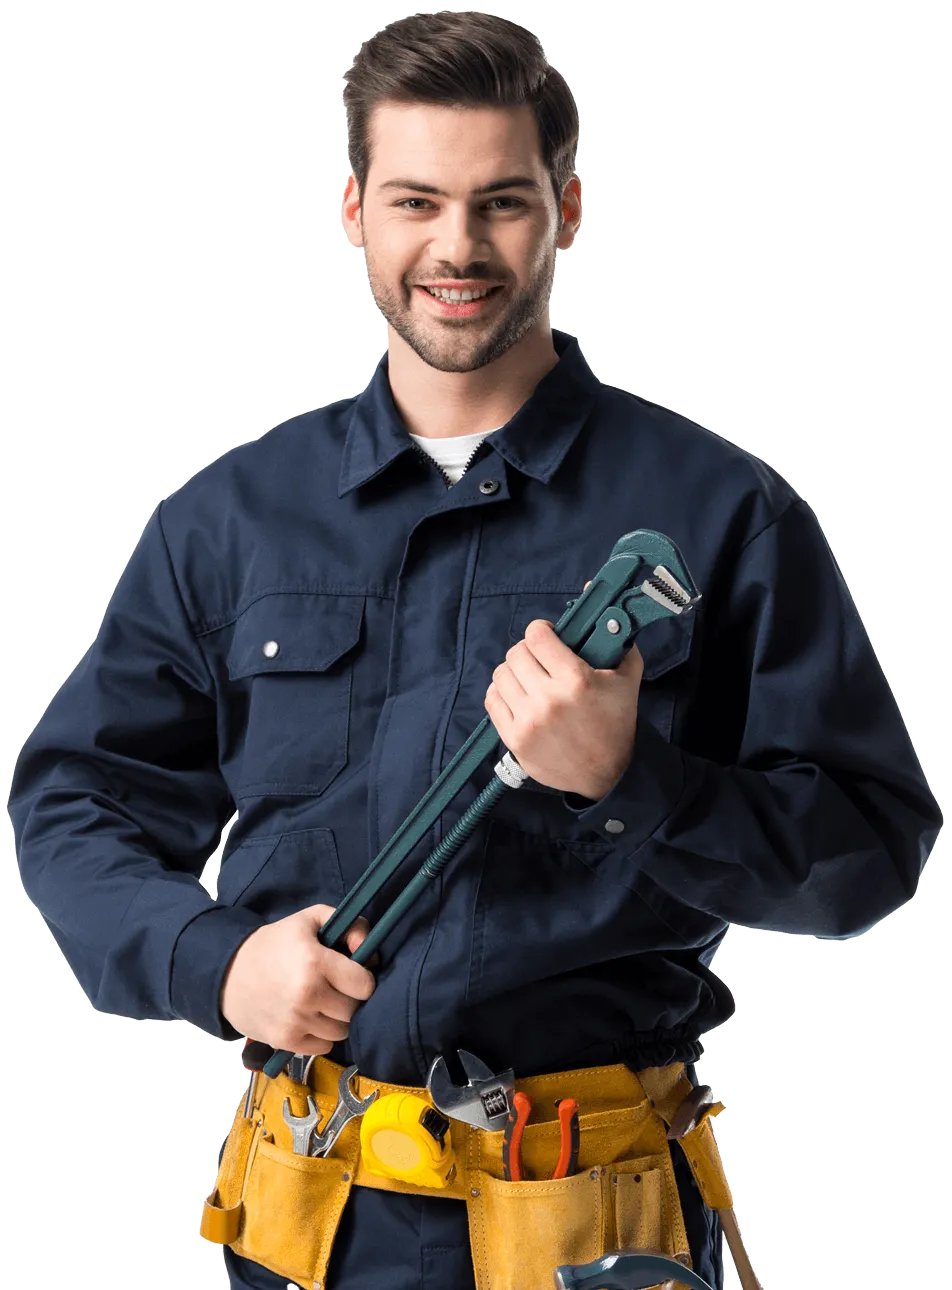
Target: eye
[405,202]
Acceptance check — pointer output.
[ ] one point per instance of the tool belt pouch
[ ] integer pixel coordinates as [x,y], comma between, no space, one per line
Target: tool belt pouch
[277,1207]
[700,1149]
[623,1196]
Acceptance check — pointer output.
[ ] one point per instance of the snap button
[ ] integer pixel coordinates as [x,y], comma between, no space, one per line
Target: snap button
[614,826]
[270,649]
[489,486]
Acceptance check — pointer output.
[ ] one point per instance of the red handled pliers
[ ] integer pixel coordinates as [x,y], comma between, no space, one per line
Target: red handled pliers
[512,1138]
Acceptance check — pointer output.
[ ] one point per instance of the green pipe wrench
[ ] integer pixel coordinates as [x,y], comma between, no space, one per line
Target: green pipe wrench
[643,579]
[626,1270]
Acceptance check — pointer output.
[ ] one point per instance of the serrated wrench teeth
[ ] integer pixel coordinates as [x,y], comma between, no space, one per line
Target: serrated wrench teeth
[667,576]
[663,587]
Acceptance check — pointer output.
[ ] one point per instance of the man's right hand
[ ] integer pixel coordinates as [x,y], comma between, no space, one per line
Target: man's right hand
[284,987]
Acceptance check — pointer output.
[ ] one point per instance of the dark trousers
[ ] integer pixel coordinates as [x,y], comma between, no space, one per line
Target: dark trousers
[388,1241]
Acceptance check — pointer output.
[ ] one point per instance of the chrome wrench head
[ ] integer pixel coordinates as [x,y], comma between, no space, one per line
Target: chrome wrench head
[485,1100]
[301,1126]
[348,1108]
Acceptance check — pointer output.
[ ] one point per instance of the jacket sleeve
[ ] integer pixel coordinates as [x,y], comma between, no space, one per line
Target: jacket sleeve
[117,802]
[818,819]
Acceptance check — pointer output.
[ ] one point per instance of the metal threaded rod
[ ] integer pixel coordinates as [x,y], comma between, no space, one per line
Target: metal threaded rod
[464,826]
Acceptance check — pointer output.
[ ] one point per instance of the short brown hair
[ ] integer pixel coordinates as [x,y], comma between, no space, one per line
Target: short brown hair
[466,59]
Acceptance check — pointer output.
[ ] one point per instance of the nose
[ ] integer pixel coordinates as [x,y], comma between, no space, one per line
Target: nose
[458,238]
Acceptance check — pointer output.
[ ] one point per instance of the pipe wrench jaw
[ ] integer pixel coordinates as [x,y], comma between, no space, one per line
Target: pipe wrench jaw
[645,578]
[658,594]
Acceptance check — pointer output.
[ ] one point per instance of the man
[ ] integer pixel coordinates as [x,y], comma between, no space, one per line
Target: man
[312,626]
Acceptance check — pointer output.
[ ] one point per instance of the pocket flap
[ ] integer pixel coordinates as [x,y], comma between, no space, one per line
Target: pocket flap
[664,643]
[294,632]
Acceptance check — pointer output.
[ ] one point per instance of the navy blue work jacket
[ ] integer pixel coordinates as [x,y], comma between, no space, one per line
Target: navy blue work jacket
[305,634]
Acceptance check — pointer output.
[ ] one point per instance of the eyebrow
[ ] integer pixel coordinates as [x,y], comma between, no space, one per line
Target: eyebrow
[512,181]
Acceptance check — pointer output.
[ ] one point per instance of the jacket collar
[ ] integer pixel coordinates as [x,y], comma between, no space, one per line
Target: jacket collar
[534,439]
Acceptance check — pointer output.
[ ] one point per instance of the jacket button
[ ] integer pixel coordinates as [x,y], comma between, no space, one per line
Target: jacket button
[614,826]
[489,486]
[270,649]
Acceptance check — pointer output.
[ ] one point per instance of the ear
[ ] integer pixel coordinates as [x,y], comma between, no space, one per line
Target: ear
[350,213]
[570,212]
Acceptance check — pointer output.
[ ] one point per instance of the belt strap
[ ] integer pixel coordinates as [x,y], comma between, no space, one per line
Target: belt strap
[599,1090]
[702,1154]
[656,1092]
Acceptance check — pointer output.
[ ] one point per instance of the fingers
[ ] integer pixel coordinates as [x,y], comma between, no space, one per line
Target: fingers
[313,1046]
[334,1004]
[327,1028]
[349,978]
[355,936]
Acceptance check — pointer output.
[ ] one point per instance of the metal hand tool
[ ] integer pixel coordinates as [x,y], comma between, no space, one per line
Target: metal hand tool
[626,1270]
[568,1139]
[485,1100]
[347,1108]
[643,579]
[299,1067]
[512,1139]
[301,1126]
[250,1096]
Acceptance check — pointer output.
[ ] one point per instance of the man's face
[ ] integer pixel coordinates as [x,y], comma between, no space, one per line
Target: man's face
[415,237]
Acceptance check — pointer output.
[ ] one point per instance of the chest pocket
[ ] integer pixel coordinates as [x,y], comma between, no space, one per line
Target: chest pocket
[292,658]
[664,644]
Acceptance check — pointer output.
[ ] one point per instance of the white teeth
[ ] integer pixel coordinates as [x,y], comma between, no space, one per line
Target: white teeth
[447,293]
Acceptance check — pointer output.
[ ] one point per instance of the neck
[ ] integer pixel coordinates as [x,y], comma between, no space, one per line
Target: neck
[440,405]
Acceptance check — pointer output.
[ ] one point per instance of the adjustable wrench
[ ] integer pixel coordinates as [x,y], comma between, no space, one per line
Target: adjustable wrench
[485,1100]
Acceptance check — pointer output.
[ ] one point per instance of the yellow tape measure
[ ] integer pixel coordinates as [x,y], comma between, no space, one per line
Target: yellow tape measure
[402,1136]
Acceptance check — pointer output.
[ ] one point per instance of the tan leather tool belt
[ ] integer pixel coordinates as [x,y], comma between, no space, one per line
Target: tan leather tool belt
[282,1209]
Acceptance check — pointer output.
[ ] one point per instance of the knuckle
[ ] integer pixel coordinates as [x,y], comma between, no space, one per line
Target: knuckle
[298,990]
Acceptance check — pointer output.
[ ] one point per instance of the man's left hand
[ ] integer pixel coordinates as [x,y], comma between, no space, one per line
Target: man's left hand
[570,726]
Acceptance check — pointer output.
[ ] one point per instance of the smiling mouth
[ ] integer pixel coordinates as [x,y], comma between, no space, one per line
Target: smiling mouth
[459,303]
[484,292]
